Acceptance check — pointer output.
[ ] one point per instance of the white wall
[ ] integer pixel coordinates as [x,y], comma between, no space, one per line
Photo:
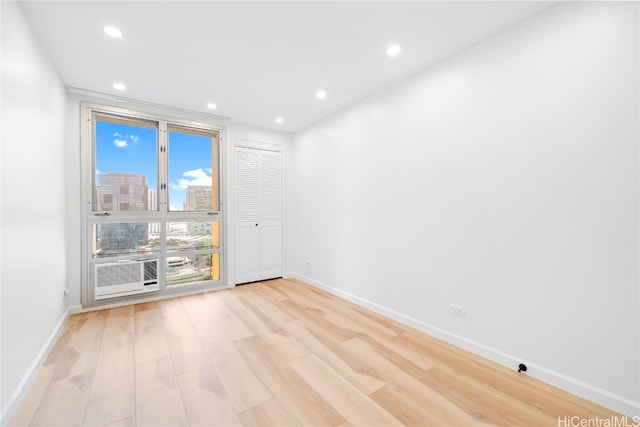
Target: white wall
[505,180]
[33,225]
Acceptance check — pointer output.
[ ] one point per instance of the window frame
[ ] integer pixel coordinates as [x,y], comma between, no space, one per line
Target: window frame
[95,114]
[172,126]
[164,216]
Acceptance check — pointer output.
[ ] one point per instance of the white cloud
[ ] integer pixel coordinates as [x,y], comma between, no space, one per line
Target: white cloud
[120,137]
[196,173]
[120,143]
[180,185]
[209,170]
[192,177]
[97,172]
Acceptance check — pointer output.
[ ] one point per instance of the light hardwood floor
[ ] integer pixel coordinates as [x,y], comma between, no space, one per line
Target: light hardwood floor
[278,353]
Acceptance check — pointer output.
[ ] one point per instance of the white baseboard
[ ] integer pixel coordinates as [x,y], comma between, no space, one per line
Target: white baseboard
[16,397]
[76,309]
[595,394]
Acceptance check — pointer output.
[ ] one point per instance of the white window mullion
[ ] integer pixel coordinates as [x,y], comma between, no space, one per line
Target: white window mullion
[163,198]
[163,168]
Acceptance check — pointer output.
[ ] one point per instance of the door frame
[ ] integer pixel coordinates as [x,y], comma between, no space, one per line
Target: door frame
[231,211]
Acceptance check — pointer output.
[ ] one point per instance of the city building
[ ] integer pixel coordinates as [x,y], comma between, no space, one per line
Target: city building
[122,192]
[197,198]
[152,203]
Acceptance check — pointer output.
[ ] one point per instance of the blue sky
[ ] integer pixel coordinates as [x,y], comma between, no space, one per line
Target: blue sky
[133,149]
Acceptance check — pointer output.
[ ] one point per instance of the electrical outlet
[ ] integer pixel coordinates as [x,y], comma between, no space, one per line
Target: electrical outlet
[458,310]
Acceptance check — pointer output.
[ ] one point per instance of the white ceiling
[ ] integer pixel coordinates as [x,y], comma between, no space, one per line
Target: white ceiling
[259,60]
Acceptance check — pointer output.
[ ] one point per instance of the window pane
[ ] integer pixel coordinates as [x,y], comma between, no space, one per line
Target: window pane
[193,235]
[125,239]
[126,166]
[193,170]
[189,269]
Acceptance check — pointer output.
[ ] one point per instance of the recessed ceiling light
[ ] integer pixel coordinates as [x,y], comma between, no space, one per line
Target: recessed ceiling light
[113,32]
[393,50]
[279,120]
[321,94]
[119,86]
[212,106]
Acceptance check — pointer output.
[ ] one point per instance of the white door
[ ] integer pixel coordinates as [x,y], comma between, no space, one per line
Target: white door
[258,214]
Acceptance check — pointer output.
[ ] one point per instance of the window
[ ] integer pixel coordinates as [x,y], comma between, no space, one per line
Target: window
[153,213]
[125,154]
[193,170]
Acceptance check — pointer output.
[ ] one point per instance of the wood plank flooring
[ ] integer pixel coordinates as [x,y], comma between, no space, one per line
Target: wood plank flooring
[275,353]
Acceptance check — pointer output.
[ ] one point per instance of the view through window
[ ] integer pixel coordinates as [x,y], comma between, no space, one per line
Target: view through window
[155,195]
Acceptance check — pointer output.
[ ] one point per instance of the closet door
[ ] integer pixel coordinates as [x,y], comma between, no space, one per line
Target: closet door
[258,214]
[270,215]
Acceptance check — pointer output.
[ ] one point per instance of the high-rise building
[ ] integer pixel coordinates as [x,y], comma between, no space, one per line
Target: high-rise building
[152,197]
[122,192]
[122,238]
[198,198]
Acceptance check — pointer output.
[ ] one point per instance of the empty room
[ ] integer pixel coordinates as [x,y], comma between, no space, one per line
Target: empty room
[338,213]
